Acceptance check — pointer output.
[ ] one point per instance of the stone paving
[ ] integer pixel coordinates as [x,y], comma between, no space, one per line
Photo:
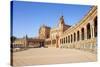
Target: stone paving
[39,56]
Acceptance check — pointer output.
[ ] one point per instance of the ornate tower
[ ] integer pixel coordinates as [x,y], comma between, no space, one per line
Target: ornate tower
[44,32]
[61,25]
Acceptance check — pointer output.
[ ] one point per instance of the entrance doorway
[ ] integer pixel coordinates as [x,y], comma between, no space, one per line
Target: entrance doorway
[41,44]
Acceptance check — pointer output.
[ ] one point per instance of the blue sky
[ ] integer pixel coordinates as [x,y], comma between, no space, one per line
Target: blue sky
[29,16]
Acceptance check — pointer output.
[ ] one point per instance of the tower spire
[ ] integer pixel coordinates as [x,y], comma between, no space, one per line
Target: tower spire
[62,20]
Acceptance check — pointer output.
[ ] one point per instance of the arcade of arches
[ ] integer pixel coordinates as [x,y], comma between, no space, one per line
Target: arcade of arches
[83,35]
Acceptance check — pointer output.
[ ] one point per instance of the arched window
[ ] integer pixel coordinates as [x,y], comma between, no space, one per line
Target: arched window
[62,40]
[78,36]
[88,31]
[82,33]
[47,36]
[74,37]
[71,38]
[66,39]
[95,27]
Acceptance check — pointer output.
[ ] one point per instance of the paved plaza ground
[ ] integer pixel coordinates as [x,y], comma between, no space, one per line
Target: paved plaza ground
[37,56]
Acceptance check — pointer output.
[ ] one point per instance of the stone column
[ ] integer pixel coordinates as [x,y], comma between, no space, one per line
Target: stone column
[70,37]
[80,35]
[72,40]
[92,28]
[92,32]
[69,41]
[56,43]
[85,33]
[76,40]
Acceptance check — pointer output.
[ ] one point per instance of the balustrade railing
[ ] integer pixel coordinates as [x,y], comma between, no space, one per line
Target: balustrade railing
[88,45]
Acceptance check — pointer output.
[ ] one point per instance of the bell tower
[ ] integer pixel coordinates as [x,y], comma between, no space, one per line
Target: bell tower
[61,24]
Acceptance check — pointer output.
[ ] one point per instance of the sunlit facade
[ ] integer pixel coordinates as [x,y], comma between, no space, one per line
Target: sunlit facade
[82,35]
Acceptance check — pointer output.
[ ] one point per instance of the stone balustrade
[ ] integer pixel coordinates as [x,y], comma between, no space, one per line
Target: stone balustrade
[88,45]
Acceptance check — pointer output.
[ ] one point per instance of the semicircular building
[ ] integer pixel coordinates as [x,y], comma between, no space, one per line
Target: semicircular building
[82,35]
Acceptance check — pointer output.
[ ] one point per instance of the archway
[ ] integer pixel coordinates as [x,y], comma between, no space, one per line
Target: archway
[95,27]
[71,38]
[88,31]
[74,37]
[82,35]
[78,36]
[68,39]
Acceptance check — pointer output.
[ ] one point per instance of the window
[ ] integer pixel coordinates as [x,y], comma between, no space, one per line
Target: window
[78,36]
